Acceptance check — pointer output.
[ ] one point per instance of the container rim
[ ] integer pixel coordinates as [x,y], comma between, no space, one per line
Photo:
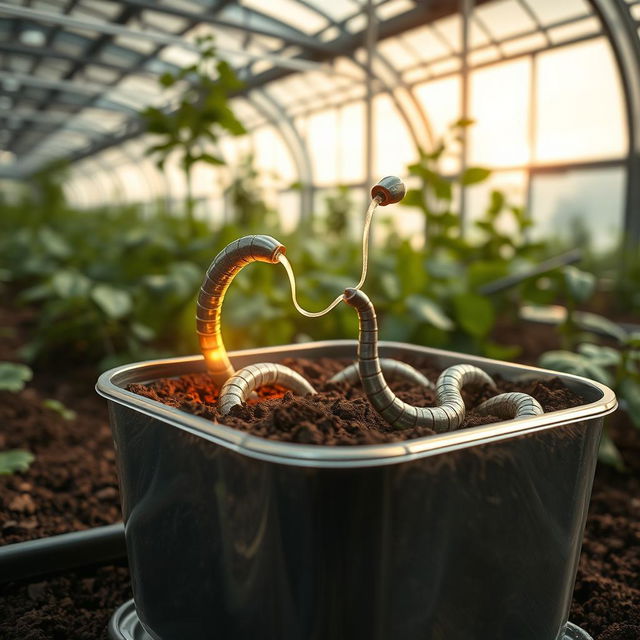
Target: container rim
[110,386]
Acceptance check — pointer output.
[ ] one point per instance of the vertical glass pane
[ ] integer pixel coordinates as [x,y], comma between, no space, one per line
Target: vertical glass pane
[579,106]
[440,100]
[393,147]
[499,102]
[579,203]
[322,142]
[273,158]
[351,144]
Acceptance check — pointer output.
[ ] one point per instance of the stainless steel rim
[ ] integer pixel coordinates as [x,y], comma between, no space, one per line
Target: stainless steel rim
[110,385]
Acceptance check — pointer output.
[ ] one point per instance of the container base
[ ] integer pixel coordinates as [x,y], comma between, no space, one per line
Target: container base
[125,625]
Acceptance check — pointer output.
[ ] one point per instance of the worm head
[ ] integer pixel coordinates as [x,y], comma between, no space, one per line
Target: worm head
[349,294]
[388,191]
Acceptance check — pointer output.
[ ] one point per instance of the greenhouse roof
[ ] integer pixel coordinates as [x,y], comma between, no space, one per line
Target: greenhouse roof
[75,73]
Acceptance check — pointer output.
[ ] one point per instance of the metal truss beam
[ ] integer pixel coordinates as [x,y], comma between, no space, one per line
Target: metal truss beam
[623,36]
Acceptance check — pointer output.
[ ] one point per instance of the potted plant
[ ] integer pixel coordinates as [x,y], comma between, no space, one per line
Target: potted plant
[458,534]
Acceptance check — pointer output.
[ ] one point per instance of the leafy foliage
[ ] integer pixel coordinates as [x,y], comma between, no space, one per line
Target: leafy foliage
[614,363]
[192,128]
[15,460]
[455,264]
[13,376]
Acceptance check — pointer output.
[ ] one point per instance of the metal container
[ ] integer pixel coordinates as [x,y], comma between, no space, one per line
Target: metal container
[473,534]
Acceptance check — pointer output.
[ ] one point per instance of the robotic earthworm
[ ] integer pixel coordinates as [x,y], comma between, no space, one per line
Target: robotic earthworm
[224,268]
[450,413]
[372,371]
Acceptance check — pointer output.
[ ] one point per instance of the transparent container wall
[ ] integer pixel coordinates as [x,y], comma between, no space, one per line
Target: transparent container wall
[480,543]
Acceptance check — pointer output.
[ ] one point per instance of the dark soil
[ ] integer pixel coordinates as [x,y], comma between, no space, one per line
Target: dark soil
[339,414]
[65,490]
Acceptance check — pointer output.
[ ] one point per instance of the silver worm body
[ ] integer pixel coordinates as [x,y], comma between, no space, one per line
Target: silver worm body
[220,273]
[391,369]
[511,405]
[239,386]
[449,415]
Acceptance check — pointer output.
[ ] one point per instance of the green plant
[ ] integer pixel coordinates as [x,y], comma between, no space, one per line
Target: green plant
[244,198]
[13,376]
[59,408]
[452,267]
[15,460]
[616,366]
[339,205]
[201,115]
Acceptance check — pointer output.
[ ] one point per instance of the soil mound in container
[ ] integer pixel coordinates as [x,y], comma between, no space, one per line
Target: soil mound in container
[339,414]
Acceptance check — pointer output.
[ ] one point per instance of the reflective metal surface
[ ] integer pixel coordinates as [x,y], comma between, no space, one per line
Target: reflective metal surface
[471,534]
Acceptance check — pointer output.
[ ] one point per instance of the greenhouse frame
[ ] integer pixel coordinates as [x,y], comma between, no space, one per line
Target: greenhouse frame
[369,69]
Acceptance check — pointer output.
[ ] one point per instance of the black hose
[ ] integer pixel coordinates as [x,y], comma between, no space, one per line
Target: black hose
[41,557]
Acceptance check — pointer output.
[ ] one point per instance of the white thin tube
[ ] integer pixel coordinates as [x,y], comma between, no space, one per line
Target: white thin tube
[365,265]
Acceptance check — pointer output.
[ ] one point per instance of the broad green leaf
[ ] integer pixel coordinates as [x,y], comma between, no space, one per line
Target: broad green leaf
[70,284]
[580,284]
[209,159]
[413,198]
[115,303]
[603,356]
[474,313]
[15,460]
[390,285]
[599,324]
[428,311]
[13,376]
[167,79]
[474,175]
[54,244]
[142,332]
[58,407]
[576,364]
[501,351]
[609,453]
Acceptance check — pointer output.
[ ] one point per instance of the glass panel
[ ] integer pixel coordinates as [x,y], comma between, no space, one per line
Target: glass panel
[322,143]
[441,102]
[350,158]
[580,113]
[551,11]
[499,103]
[580,204]
[533,42]
[505,18]
[272,158]
[426,43]
[290,12]
[393,8]
[451,30]
[575,30]
[393,147]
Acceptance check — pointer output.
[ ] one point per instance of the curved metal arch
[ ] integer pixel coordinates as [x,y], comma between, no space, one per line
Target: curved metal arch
[622,31]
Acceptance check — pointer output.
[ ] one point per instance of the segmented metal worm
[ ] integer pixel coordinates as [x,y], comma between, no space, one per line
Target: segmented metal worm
[391,369]
[221,272]
[239,386]
[449,415]
[511,405]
